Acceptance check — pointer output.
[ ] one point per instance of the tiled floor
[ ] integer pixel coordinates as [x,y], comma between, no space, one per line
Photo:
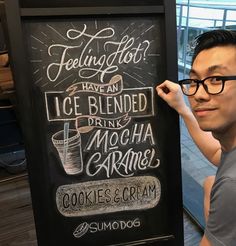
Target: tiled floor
[195,168]
[192,234]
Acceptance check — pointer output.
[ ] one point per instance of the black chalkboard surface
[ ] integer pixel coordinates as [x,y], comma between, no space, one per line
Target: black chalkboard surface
[103,150]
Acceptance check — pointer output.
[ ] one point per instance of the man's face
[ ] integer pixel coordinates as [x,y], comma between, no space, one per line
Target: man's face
[216,113]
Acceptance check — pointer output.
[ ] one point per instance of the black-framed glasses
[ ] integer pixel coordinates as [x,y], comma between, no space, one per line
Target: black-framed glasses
[213,85]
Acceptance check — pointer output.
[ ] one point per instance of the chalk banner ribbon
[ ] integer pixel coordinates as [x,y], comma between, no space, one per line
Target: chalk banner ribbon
[86,123]
[113,87]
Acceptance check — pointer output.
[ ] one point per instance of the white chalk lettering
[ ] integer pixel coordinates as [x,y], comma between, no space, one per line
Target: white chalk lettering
[89,64]
[139,133]
[68,106]
[107,196]
[95,227]
[124,103]
[125,165]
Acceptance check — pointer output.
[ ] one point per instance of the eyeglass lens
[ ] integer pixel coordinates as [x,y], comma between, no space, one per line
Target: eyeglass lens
[211,85]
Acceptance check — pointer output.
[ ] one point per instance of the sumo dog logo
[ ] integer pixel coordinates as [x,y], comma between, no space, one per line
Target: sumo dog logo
[101,226]
[97,78]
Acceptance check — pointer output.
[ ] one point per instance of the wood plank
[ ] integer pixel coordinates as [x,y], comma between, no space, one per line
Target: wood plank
[17,223]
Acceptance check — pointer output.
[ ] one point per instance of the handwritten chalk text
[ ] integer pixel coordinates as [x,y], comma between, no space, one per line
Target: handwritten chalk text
[88,63]
[106,196]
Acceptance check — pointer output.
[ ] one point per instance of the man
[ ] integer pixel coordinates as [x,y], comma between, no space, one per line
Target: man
[211,122]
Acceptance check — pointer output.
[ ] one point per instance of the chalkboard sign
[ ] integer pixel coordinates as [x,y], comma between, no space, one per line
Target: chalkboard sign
[103,150]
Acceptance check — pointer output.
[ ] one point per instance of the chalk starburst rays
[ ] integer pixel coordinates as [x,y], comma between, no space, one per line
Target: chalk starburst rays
[41,42]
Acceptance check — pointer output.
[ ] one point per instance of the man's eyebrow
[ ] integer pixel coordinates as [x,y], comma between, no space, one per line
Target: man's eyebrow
[216,67]
[192,72]
[210,69]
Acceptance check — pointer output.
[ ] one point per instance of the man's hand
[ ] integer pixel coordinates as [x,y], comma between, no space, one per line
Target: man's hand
[172,94]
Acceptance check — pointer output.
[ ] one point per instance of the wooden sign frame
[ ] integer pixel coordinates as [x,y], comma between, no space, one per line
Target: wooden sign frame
[102,149]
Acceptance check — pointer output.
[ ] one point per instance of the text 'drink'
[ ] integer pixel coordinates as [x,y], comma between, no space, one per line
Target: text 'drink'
[108,196]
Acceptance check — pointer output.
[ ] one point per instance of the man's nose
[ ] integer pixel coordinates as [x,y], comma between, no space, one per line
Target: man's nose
[202,93]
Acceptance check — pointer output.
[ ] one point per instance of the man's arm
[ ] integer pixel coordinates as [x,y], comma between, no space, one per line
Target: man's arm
[208,183]
[204,242]
[208,145]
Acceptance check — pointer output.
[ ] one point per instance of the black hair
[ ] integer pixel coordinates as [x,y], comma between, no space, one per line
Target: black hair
[212,39]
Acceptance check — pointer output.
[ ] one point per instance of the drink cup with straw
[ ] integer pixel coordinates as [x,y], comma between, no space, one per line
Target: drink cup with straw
[66,135]
[68,144]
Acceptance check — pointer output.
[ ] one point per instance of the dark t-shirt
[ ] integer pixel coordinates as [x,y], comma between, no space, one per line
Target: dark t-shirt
[221,224]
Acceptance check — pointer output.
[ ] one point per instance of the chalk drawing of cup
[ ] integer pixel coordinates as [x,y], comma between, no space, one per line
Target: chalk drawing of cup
[69,150]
